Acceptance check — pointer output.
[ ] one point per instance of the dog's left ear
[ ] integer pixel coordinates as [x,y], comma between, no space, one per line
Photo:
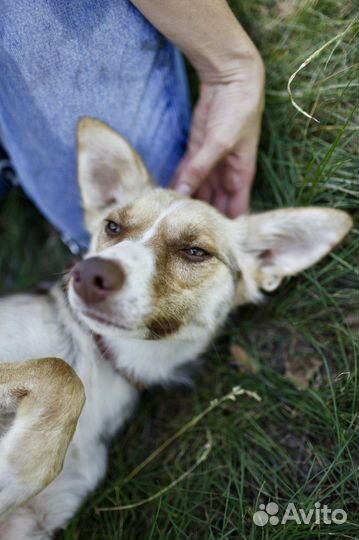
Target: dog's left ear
[109,169]
[285,242]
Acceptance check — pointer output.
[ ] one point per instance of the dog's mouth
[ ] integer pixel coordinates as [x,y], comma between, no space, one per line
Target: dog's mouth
[103,319]
[90,314]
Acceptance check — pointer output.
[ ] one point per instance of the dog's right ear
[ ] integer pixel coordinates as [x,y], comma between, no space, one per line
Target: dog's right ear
[109,170]
[284,242]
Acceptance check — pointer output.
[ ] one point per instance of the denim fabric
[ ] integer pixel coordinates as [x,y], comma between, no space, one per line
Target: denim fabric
[60,60]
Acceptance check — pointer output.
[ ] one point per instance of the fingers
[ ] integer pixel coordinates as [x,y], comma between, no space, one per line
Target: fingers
[204,192]
[220,198]
[239,202]
[239,175]
[212,192]
[239,185]
[228,186]
[194,170]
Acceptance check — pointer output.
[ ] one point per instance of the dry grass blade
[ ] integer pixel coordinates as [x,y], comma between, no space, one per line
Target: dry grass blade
[231,396]
[200,459]
[304,64]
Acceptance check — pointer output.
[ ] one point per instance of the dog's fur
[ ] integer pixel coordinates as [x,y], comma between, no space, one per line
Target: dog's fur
[173,301]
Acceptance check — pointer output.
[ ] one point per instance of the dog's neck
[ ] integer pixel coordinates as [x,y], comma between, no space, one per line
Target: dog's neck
[143,362]
[108,356]
[154,361]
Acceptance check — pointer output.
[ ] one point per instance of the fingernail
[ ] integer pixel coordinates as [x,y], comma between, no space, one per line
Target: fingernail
[184,189]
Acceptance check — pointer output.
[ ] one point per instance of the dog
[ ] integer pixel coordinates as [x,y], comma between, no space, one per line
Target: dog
[161,275]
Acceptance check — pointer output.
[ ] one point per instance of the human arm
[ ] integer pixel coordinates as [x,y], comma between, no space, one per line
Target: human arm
[219,164]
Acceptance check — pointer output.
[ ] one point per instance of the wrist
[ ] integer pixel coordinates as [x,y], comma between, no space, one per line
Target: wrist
[208,33]
[233,58]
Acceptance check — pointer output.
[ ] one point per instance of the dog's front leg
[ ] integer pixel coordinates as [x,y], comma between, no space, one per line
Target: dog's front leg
[45,397]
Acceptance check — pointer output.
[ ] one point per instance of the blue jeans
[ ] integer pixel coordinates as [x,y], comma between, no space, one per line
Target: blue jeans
[60,60]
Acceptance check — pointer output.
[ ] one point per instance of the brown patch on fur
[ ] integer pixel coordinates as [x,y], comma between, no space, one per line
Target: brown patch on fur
[161,327]
[131,228]
[52,397]
[137,217]
[176,278]
[19,393]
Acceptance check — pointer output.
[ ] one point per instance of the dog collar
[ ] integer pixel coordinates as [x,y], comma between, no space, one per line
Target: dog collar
[130,379]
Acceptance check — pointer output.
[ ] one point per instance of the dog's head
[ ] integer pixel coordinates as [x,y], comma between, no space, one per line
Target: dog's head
[161,264]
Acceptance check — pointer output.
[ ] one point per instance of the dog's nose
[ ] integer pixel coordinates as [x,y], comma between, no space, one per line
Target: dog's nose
[95,279]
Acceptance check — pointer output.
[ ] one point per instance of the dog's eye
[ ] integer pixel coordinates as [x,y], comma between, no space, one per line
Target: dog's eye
[195,254]
[112,228]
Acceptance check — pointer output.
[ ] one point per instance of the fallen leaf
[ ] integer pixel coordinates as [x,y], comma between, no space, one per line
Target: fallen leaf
[242,360]
[302,372]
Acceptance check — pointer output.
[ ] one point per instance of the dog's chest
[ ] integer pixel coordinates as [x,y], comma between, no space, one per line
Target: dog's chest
[109,398]
[35,327]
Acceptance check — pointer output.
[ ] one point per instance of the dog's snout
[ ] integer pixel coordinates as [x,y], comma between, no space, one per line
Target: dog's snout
[95,279]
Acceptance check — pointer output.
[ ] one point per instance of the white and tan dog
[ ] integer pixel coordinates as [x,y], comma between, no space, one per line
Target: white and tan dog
[162,273]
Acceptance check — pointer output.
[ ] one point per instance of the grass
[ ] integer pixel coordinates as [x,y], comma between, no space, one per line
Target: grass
[295,445]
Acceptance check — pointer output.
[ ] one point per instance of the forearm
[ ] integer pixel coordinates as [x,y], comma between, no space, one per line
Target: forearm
[206,31]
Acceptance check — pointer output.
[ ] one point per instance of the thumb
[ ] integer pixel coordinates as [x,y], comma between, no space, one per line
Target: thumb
[195,169]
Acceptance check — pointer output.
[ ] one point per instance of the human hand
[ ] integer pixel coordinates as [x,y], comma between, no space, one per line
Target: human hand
[220,161]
